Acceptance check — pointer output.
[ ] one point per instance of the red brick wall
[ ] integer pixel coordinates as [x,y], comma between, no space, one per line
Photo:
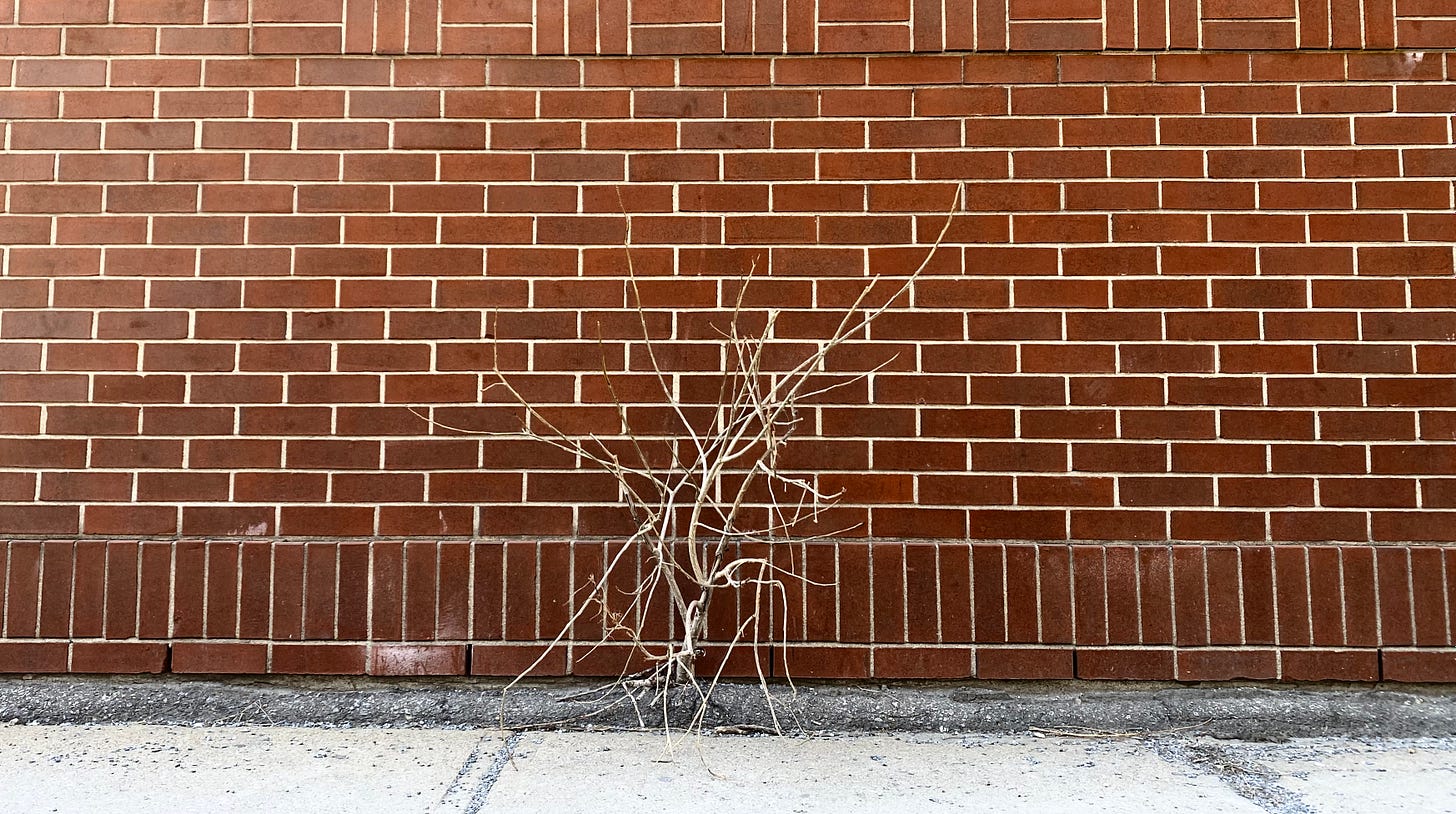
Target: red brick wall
[1190,345]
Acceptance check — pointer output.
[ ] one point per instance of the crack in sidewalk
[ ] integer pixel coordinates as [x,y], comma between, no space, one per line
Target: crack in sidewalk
[467,793]
[1256,783]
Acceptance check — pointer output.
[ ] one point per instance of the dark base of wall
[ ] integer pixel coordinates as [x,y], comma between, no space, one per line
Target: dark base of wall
[889,610]
[1246,711]
[1417,665]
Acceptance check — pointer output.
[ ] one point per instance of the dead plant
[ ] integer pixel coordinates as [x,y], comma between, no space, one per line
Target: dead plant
[697,501]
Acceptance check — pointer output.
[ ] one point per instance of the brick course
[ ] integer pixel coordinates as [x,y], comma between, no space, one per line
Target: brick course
[912,609]
[1191,333]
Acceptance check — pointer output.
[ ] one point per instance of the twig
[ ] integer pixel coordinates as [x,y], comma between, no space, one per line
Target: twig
[1106,734]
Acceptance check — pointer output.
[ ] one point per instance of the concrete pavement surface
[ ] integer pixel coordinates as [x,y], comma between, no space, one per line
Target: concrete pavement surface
[119,769]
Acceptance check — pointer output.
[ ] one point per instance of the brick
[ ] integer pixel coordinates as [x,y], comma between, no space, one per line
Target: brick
[406,660]
[1125,665]
[1418,665]
[118,657]
[1090,595]
[154,590]
[320,597]
[919,663]
[55,613]
[33,657]
[804,662]
[254,590]
[511,660]
[122,565]
[887,568]
[1331,665]
[319,659]
[1394,589]
[219,658]
[1006,663]
[76,608]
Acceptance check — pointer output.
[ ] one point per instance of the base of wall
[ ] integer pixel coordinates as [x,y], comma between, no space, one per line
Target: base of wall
[1417,665]
[881,609]
[1247,711]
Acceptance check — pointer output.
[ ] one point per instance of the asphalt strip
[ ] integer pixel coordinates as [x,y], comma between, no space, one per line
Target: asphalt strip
[1246,712]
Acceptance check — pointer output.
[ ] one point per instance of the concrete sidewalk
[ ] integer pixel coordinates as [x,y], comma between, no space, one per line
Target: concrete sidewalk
[147,768]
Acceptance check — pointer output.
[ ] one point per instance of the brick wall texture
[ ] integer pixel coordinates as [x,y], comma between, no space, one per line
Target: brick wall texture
[1176,398]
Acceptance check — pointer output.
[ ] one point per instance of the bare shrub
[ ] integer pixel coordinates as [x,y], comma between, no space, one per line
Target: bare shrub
[709,498]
